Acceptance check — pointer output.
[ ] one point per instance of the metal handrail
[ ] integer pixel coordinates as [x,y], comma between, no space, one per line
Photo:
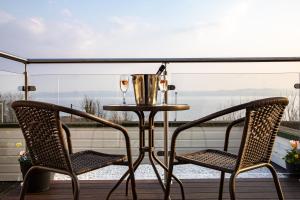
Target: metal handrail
[146,60]
[161,60]
[13,57]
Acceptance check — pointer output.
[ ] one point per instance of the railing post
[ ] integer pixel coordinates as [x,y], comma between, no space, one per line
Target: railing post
[26,82]
[175,118]
[2,111]
[166,132]
[299,100]
[297,86]
[71,117]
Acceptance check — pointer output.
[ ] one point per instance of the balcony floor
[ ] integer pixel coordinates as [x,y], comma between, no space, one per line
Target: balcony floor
[253,188]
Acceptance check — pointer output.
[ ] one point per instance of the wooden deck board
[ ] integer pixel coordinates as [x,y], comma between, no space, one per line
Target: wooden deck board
[150,190]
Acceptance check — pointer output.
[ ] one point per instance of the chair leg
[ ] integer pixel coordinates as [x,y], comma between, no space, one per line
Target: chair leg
[232,186]
[276,181]
[72,186]
[25,184]
[75,186]
[221,185]
[24,188]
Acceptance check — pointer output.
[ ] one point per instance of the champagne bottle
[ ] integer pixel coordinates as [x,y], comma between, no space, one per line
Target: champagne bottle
[161,69]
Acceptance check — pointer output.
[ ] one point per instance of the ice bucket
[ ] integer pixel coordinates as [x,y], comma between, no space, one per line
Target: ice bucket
[145,88]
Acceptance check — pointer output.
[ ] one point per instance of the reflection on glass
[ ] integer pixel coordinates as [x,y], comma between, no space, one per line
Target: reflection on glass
[163,86]
[124,83]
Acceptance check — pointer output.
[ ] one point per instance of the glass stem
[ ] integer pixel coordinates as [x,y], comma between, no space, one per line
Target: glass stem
[124,102]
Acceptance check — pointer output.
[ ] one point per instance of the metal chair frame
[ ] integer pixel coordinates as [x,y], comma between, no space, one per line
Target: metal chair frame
[275,106]
[36,111]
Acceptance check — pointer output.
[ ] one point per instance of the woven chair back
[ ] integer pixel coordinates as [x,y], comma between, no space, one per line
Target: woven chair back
[43,134]
[262,122]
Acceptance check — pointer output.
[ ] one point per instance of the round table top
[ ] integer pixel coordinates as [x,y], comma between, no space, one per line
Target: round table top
[158,107]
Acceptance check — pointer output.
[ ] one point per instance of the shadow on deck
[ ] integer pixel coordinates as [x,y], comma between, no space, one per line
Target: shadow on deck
[253,188]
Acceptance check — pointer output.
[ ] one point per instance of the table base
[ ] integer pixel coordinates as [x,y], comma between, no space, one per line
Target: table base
[151,153]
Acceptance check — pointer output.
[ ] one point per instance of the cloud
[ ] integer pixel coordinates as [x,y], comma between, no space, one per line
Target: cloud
[37,37]
[227,32]
[51,2]
[78,36]
[125,24]
[130,25]
[66,13]
[214,35]
[230,21]
[226,22]
[5,17]
[35,25]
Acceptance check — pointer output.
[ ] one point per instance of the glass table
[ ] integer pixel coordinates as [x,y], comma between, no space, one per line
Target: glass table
[143,126]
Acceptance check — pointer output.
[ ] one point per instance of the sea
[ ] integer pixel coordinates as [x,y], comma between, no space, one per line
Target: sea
[201,103]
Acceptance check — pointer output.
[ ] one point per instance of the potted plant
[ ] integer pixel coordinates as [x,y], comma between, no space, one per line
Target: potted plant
[292,158]
[39,180]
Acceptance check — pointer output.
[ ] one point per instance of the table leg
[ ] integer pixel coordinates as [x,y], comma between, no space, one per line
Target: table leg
[156,172]
[141,155]
[153,156]
[166,170]
[135,166]
[151,152]
[151,149]
[117,184]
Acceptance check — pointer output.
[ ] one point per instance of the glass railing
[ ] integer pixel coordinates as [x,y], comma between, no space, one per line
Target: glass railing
[205,93]
[10,90]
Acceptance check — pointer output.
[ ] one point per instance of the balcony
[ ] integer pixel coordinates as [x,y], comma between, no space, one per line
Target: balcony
[204,92]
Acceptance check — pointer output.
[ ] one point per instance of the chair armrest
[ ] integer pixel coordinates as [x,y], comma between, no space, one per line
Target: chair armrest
[101,121]
[191,124]
[68,134]
[109,124]
[57,109]
[93,118]
[229,127]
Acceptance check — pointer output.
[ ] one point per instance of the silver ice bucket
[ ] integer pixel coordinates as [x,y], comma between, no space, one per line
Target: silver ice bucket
[145,88]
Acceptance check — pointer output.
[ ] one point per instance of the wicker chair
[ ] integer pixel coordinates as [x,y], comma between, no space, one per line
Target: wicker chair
[43,133]
[261,122]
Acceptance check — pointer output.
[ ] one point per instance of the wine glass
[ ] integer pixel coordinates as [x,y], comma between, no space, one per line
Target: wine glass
[163,86]
[124,83]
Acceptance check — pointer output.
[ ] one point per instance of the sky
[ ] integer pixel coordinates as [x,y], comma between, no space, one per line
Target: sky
[150,29]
